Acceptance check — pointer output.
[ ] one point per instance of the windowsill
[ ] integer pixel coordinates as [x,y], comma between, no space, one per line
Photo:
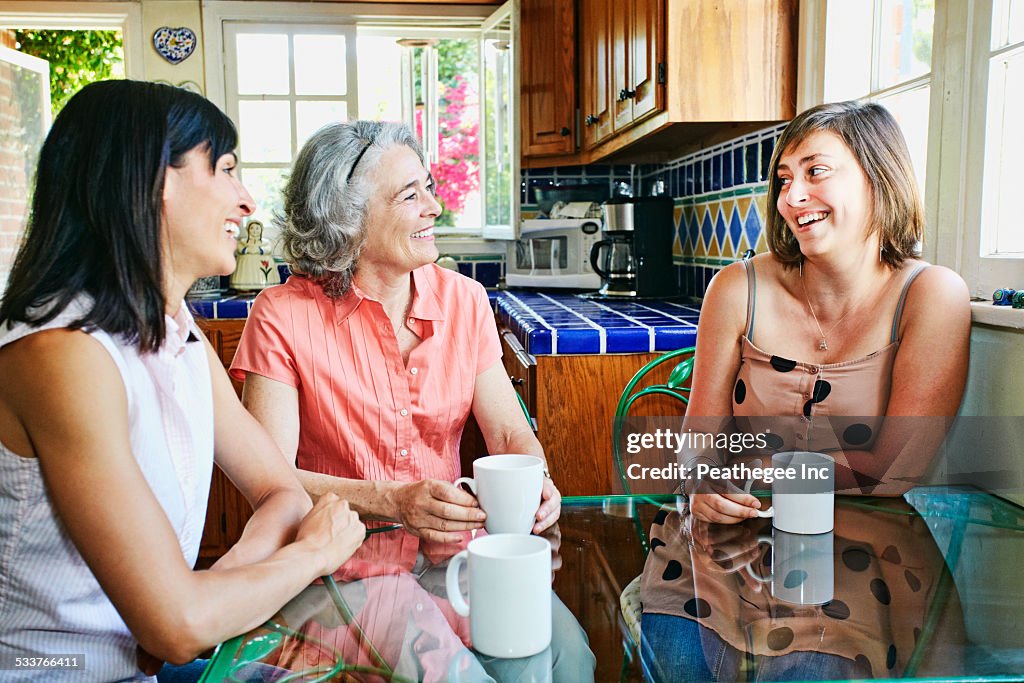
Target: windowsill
[986,313]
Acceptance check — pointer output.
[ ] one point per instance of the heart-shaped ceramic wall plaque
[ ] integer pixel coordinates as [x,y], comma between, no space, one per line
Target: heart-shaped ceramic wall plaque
[174,44]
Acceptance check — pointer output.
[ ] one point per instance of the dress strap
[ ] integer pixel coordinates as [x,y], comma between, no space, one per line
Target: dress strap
[899,305]
[751,296]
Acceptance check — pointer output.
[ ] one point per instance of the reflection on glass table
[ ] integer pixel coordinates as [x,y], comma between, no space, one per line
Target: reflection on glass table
[923,587]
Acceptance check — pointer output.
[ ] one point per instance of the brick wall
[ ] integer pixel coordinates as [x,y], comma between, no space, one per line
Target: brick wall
[14,177]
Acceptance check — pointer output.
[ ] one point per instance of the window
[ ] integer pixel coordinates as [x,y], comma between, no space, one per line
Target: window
[881,51]
[285,75]
[283,83]
[952,73]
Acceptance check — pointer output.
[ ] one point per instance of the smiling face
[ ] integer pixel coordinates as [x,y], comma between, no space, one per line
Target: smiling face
[400,215]
[825,197]
[202,214]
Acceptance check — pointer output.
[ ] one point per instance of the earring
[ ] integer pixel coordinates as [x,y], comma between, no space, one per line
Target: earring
[879,253]
[801,268]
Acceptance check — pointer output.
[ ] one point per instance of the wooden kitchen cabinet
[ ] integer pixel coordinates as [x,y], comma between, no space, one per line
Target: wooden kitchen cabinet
[227,510]
[658,75]
[547,99]
[573,400]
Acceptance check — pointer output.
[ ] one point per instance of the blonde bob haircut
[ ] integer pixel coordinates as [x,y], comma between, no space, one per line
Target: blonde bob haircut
[874,138]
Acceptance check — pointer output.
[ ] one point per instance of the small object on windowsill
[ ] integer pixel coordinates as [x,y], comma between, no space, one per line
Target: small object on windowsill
[1018,299]
[1003,297]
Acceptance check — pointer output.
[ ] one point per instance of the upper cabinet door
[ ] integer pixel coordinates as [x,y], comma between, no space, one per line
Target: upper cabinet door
[647,52]
[595,71]
[622,73]
[548,77]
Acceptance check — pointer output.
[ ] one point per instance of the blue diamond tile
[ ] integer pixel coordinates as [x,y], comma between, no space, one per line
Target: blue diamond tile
[752,226]
[706,228]
[735,229]
[720,232]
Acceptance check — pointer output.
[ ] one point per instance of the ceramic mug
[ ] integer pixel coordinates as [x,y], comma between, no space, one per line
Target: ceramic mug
[803,567]
[509,606]
[508,488]
[804,502]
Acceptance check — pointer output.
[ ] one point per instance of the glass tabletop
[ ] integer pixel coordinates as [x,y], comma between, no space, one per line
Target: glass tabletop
[923,587]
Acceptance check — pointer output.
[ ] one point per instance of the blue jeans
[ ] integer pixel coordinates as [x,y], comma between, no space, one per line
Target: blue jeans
[678,649]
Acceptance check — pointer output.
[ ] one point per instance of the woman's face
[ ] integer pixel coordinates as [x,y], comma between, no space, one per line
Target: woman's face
[202,214]
[400,214]
[825,197]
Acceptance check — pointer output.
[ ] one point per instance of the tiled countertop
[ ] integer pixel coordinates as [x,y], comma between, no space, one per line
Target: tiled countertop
[553,323]
[548,323]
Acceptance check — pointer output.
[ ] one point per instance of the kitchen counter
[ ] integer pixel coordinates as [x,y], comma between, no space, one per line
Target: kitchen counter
[548,323]
[551,323]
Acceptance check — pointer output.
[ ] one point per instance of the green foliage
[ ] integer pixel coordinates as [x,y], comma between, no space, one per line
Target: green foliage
[76,58]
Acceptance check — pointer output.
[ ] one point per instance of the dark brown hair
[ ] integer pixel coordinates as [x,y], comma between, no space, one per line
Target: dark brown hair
[873,136]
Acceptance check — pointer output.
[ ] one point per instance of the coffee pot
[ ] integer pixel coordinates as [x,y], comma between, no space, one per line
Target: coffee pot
[634,255]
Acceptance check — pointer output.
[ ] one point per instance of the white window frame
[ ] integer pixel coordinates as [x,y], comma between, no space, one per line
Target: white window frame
[956,135]
[387,19]
[125,17]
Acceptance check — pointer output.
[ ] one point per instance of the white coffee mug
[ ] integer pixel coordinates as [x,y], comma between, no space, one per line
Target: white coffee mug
[508,488]
[803,567]
[509,585]
[804,501]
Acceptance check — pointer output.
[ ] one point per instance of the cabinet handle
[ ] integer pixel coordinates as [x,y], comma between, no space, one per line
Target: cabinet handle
[565,132]
[590,120]
[516,381]
[626,95]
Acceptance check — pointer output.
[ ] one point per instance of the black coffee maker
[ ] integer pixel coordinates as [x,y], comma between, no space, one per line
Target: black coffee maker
[634,255]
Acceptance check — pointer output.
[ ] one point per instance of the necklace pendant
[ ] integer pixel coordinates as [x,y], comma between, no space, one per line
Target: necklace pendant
[823,346]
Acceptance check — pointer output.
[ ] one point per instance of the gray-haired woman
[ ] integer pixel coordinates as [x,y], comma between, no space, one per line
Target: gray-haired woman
[378,353]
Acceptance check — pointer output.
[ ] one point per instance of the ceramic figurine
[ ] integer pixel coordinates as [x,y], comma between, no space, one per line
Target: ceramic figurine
[255,267]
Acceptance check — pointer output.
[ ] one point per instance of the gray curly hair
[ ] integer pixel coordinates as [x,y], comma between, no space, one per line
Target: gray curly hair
[323,222]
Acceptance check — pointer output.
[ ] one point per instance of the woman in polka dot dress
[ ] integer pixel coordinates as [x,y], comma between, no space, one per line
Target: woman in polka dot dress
[839,326]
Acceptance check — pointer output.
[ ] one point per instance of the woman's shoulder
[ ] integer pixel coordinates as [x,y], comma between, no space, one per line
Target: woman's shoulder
[934,292]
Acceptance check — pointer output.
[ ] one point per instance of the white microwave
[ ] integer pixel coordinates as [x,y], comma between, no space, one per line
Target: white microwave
[553,252]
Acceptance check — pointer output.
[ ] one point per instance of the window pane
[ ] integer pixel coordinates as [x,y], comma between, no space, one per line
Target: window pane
[1007,23]
[1004,147]
[309,116]
[910,109]
[262,64]
[905,41]
[265,186]
[847,51]
[320,67]
[380,84]
[265,131]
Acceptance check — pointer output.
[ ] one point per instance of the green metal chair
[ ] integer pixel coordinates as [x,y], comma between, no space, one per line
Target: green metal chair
[674,386]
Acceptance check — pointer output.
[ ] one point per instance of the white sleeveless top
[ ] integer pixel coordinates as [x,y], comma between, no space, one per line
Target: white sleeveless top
[50,602]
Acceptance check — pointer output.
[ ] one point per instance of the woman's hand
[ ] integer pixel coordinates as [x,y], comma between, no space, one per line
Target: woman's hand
[332,528]
[550,506]
[434,510]
[724,507]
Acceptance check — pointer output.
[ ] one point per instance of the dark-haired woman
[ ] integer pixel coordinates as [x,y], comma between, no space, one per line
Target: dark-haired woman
[113,406]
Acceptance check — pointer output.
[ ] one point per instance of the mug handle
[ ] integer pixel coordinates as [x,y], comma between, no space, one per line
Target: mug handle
[451,584]
[468,481]
[762,538]
[770,512]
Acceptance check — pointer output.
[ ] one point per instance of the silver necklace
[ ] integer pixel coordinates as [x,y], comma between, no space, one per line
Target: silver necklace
[823,344]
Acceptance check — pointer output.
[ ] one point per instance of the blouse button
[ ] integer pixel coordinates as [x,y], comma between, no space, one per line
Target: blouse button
[403,452]
[404,412]
[414,370]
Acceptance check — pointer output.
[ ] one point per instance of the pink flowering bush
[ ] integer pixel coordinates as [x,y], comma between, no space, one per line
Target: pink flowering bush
[457,172]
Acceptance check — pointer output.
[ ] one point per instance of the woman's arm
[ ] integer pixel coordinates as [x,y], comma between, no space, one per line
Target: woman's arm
[74,409]
[506,430]
[723,318]
[928,380]
[433,509]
